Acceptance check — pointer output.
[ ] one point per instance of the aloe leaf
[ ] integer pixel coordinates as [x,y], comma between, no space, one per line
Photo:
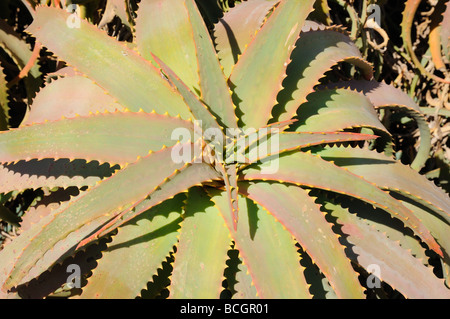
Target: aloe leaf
[339,109]
[65,227]
[245,289]
[343,182]
[148,239]
[256,86]
[108,137]
[396,177]
[163,29]
[384,96]
[132,80]
[235,30]
[298,213]
[201,251]
[197,108]
[52,173]
[20,52]
[80,95]
[192,175]
[4,102]
[46,205]
[316,52]
[264,245]
[279,143]
[396,265]
[335,110]
[214,89]
[437,226]
[229,173]
[380,220]
[54,282]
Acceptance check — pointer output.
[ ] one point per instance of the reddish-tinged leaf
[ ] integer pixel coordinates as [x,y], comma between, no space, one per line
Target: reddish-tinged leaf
[301,168]
[297,212]
[255,86]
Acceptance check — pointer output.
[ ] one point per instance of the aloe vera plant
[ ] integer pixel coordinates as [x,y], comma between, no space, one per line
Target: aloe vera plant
[231,156]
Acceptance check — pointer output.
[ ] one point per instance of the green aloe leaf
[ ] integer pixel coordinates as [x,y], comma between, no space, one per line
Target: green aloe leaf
[317,51]
[298,213]
[343,181]
[383,96]
[396,265]
[214,89]
[396,177]
[78,219]
[147,240]
[192,175]
[236,29]
[81,96]
[197,108]
[336,110]
[163,29]
[20,52]
[255,86]
[132,80]
[201,251]
[4,101]
[108,137]
[278,143]
[264,245]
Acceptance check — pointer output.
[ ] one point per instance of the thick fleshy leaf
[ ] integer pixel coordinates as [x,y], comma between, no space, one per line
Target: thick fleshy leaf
[163,28]
[396,265]
[396,177]
[279,143]
[437,227]
[146,240]
[255,86]
[267,249]
[197,108]
[335,110]
[214,89]
[4,101]
[125,75]
[384,96]
[297,212]
[237,28]
[45,205]
[20,52]
[193,175]
[300,168]
[245,289]
[78,218]
[108,137]
[68,97]
[316,52]
[202,250]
